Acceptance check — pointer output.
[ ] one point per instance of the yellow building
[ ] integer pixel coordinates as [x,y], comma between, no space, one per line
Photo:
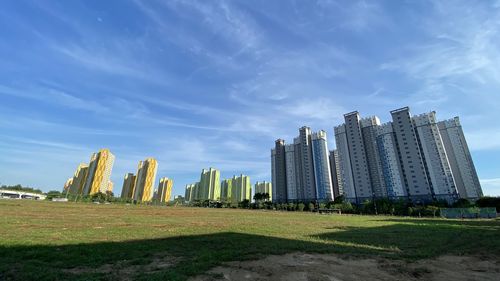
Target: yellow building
[67,185]
[164,190]
[99,172]
[145,179]
[79,178]
[128,186]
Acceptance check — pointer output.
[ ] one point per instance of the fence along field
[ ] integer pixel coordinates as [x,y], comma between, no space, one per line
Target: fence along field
[50,240]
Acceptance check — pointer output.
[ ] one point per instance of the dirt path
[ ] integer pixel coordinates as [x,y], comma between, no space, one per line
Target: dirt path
[319,267]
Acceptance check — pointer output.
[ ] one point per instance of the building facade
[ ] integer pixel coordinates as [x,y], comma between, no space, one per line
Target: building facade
[291,177]
[345,175]
[279,179]
[209,184]
[321,167]
[264,187]
[78,180]
[99,172]
[391,168]
[369,127]
[145,180]
[306,160]
[436,163]
[128,186]
[460,159]
[164,191]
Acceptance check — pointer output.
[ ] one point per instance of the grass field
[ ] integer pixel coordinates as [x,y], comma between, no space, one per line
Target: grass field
[49,240]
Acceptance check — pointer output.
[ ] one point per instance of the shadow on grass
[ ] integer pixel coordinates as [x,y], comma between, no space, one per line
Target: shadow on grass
[177,258]
[486,223]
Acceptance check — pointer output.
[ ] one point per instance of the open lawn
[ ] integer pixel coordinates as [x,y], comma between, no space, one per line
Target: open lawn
[50,240]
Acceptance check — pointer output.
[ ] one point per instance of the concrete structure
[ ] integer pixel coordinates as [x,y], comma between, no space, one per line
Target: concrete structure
[209,184]
[164,191]
[226,191]
[99,172]
[128,186]
[242,189]
[346,180]
[191,193]
[279,175]
[369,128]
[15,194]
[145,180]
[411,159]
[357,153]
[460,159]
[306,160]
[391,169]
[67,185]
[264,187]
[273,172]
[291,177]
[333,173]
[299,177]
[334,167]
[75,187]
[438,168]
[321,167]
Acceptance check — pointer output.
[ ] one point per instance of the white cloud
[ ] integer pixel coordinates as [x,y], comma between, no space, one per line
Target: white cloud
[491,187]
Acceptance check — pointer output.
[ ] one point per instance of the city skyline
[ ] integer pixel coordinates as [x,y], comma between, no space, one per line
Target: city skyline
[198,84]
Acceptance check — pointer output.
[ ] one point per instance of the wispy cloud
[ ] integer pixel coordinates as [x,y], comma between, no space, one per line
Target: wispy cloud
[491,187]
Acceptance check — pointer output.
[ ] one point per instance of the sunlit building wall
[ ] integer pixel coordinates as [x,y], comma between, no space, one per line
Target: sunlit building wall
[99,172]
[164,190]
[144,184]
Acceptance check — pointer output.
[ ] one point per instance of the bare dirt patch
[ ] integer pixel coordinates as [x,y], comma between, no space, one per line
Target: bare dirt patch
[126,270]
[319,267]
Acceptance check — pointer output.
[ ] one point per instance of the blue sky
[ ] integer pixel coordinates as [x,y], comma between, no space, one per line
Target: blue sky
[213,83]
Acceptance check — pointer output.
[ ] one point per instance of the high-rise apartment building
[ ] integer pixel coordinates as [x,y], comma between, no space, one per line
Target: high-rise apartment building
[306,160]
[67,185]
[346,180]
[321,167]
[391,169]
[164,191]
[209,184]
[301,171]
[299,177]
[242,189]
[334,167]
[369,128]
[264,187]
[226,191]
[411,160]
[359,163]
[279,179]
[236,189]
[460,159]
[291,177]
[273,171]
[191,193]
[145,180]
[99,172]
[78,180]
[128,186]
[435,159]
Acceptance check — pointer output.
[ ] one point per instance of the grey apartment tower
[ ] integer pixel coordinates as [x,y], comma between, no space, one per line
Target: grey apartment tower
[301,171]
[412,157]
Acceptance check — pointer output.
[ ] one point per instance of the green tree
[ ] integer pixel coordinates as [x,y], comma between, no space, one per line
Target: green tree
[301,206]
[53,194]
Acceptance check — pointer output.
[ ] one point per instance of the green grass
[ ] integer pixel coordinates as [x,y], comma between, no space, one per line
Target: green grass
[51,241]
